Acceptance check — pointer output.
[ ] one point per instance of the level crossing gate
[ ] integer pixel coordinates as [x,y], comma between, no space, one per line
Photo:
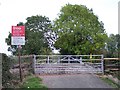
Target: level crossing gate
[68,64]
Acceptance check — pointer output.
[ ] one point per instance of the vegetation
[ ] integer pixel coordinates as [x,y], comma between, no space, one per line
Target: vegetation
[11,80]
[110,82]
[79,31]
[6,75]
[33,82]
[112,46]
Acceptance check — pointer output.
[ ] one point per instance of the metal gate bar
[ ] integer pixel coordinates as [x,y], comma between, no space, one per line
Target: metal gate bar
[56,63]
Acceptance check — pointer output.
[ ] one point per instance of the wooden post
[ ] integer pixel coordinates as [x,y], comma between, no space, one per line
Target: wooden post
[58,60]
[104,65]
[34,63]
[20,71]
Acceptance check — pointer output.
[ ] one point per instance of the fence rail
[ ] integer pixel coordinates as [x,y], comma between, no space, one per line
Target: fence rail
[111,58]
[68,55]
[106,64]
[111,65]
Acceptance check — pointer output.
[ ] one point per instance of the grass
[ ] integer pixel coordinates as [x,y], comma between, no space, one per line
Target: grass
[33,82]
[113,73]
[110,82]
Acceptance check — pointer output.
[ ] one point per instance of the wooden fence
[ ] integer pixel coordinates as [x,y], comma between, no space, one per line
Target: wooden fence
[111,65]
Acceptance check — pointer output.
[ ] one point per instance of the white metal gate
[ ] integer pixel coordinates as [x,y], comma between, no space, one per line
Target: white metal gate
[68,64]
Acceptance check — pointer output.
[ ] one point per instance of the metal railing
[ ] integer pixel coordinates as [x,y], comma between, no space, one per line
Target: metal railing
[97,61]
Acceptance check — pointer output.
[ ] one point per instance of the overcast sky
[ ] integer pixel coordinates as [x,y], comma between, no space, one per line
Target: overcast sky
[15,11]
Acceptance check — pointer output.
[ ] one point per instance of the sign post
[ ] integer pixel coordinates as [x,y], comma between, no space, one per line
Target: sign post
[20,70]
[18,38]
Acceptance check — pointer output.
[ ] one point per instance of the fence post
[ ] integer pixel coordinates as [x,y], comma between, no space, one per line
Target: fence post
[102,63]
[58,60]
[80,60]
[34,63]
[48,59]
[68,59]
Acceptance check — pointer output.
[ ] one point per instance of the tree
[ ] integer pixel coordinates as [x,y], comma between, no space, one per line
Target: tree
[36,31]
[113,45]
[79,31]
[118,44]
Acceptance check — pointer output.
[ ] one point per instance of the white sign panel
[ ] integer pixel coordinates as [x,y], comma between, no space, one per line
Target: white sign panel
[18,41]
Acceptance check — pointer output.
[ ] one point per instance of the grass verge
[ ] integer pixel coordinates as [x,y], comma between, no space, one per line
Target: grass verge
[110,82]
[32,82]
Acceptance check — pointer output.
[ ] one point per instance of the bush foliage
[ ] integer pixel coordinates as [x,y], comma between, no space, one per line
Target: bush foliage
[6,75]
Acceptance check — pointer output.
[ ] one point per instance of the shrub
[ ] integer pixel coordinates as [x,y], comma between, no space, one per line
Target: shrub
[6,75]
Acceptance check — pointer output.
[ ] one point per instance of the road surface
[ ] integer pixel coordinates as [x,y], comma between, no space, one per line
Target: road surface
[74,81]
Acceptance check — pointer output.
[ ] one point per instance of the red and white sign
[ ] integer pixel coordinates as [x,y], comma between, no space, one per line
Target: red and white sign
[18,31]
[18,35]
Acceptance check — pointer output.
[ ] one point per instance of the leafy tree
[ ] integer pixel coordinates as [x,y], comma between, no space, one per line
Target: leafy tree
[118,41]
[113,45]
[79,31]
[118,45]
[36,31]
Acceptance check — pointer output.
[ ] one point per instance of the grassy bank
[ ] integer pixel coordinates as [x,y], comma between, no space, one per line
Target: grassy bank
[110,82]
[32,82]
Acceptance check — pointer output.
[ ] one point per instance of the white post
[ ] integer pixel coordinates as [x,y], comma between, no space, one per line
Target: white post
[48,60]
[81,60]
[68,59]
[58,60]
[102,63]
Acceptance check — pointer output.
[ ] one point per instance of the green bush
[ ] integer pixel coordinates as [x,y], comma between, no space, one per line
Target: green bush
[6,75]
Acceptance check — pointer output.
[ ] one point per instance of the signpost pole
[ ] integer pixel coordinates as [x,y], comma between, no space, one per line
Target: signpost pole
[20,71]
[18,38]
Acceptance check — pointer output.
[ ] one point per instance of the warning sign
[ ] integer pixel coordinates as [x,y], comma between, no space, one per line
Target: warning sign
[18,35]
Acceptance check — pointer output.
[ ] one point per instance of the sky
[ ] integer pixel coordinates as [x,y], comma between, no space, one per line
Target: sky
[14,11]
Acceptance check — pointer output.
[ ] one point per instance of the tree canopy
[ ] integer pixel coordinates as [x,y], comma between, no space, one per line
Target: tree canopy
[113,45]
[79,31]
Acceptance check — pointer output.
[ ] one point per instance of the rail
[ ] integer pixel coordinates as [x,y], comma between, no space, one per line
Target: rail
[111,58]
[111,65]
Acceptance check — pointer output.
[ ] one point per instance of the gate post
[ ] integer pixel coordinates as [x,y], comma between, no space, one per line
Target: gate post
[102,63]
[58,61]
[81,60]
[68,59]
[34,63]
[48,59]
